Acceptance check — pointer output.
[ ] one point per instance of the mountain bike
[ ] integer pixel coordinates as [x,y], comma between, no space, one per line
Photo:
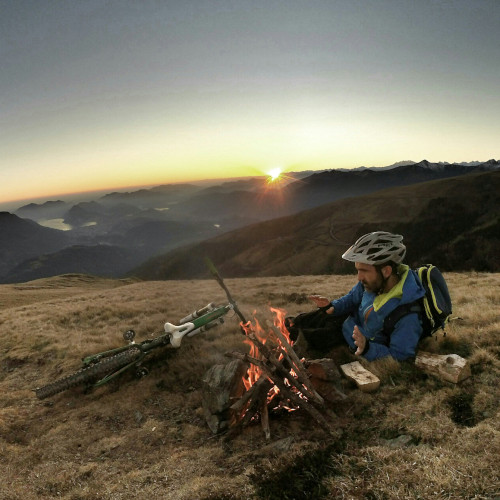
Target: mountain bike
[98,369]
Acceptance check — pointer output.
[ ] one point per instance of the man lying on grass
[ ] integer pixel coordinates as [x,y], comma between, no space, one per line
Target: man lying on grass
[384,283]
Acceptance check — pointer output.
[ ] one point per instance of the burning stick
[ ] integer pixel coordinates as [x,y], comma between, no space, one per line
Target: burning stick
[286,374]
[277,373]
[298,367]
[249,405]
[264,419]
[286,392]
[240,405]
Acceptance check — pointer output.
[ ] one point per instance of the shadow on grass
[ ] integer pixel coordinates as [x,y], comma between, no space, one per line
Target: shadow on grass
[301,480]
[461,408]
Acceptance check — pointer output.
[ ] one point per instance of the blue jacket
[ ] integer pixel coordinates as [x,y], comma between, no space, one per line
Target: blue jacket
[367,310]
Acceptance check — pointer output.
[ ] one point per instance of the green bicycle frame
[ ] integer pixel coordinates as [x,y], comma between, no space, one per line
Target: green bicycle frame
[188,328]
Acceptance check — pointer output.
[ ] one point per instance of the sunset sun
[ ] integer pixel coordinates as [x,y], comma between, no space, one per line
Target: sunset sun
[274,174]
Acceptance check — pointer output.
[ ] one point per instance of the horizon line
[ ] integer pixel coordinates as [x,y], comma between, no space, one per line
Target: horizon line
[45,198]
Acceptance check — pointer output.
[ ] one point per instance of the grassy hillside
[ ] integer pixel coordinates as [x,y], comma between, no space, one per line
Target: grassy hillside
[147,438]
[453,223]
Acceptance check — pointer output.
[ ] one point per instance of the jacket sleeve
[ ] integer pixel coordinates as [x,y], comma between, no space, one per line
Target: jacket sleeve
[403,342]
[349,303]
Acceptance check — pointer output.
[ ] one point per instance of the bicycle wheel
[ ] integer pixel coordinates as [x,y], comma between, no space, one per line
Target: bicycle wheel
[90,373]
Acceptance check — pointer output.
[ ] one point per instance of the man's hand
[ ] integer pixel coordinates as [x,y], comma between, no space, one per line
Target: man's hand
[359,340]
[321,302]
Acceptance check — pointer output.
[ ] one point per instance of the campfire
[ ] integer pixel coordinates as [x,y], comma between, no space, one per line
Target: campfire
[272,376]
[269,377]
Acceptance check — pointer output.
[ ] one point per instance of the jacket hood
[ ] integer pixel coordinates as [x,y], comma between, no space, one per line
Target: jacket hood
[407,290]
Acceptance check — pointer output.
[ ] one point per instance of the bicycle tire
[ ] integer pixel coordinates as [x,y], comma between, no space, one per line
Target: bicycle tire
[89,373]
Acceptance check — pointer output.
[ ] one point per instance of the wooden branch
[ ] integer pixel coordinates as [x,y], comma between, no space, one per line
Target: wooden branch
[284,373]
[256,399]
[241,402]
[290,353]
[285,392]
[219,280]
[302,403]
[450,367]
[298,366]
[269,371]
[264,419]
[259,397]
[246,357]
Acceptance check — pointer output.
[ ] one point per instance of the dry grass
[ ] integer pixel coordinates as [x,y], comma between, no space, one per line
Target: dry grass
[146,438]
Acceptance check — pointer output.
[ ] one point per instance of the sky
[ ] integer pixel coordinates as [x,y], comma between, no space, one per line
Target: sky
[98,94]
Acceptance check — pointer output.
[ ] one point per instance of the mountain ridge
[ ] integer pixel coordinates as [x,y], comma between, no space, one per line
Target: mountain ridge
[183,189]
[432,216]
[154,228]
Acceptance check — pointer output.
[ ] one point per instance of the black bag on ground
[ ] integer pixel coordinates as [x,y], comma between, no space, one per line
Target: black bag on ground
[321,330]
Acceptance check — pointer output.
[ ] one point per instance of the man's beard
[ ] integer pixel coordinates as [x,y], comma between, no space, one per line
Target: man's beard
[374,287]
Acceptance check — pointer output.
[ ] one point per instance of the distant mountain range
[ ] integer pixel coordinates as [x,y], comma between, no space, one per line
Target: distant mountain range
[410,162]
[453,223]
[120,231]
[332,185]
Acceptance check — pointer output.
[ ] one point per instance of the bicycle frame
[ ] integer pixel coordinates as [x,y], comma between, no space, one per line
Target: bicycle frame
[199,321]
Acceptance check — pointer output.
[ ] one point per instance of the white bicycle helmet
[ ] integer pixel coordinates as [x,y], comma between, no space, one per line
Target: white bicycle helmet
[377,248]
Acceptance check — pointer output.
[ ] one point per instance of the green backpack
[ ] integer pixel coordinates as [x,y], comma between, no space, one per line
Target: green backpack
[434,307]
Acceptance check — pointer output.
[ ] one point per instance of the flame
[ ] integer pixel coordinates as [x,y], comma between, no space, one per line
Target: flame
[254,372]
[279,322]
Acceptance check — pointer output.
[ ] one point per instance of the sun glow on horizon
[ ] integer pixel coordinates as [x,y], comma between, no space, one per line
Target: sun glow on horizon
[274,174]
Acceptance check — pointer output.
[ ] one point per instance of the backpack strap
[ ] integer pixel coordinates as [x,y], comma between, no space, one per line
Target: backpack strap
[397,313]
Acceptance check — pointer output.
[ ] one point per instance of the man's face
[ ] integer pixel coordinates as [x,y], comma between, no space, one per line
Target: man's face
[368,275]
